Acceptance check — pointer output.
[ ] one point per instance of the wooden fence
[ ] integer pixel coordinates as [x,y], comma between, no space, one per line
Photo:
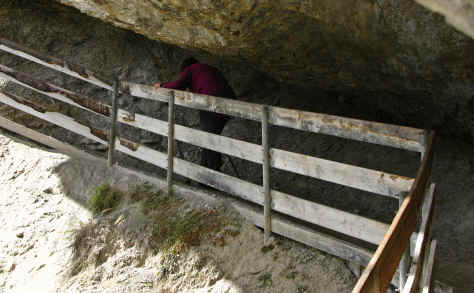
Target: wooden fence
[415,194]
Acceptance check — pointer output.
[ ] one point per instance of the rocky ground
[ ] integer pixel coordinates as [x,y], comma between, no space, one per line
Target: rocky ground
[52,242]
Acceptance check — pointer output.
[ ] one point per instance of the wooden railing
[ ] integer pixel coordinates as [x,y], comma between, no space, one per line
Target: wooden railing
[392,240]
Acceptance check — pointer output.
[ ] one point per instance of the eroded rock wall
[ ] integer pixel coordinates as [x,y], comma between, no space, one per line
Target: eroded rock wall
[396,56]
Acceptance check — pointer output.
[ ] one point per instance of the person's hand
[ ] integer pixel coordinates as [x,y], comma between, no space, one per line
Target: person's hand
[157,85]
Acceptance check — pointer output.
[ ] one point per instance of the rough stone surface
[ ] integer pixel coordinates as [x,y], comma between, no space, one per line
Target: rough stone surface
[396,55]
[459,13]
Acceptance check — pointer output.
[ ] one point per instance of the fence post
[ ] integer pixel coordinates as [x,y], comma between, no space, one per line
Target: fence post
[405,260]
[266,176]
[169,177]
[113,127]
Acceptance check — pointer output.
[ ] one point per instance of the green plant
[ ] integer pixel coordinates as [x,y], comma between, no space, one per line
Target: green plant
[104,198]
[301,288]
[265,279]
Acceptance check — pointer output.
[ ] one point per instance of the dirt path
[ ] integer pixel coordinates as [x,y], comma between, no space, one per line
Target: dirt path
[43,205]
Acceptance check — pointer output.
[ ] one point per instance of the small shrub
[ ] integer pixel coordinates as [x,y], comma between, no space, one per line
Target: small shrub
[105,197]
[265,280]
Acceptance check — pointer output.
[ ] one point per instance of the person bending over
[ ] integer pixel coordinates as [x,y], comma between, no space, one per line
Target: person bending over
[204,79]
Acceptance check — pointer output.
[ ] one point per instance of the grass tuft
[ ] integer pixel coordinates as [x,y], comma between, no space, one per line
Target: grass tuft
[104,198]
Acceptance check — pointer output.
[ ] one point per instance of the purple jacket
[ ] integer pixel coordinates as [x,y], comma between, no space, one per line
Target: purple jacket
[202,79]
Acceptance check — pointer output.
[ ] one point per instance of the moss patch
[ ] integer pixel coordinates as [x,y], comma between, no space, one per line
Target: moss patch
[105,198]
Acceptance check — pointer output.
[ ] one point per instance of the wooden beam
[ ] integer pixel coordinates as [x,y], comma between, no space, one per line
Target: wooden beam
[428,268]
[425,227]
[378,274]
[68,68]
[340,221]
[54,91]
[405,261]
[44,139]
[52,117]
[267,209]
[372,132]
[339,173]
[413,282]
[170,135]
[113,125]
[306,235]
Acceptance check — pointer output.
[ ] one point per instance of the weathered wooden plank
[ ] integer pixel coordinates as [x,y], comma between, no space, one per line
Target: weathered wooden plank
[339,173]
[425,227]
[44,139]
[52,117]
[308,236]
[169,173]
[267,209]
[413,281]
[79,101]
[68,68]
[428,268]
[113,125]
[54,91]
[405,261]
[379,272]
[98,135]
[335,172]
[372,132]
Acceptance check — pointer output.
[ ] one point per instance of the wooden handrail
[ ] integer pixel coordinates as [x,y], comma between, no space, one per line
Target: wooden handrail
[373,132]
[378,274]
[66,67]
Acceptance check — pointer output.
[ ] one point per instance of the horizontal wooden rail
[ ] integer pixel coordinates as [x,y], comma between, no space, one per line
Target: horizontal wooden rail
[282,226]
[54,91]
[68,68]
[339,173]
[373,132]
[44,139]
[330,218]
[378,274]
[306,235]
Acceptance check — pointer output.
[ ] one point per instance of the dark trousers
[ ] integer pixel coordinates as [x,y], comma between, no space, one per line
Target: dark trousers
[213,123]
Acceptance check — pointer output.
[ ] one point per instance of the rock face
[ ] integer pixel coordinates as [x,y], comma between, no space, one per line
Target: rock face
[394,55]
[459,13]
